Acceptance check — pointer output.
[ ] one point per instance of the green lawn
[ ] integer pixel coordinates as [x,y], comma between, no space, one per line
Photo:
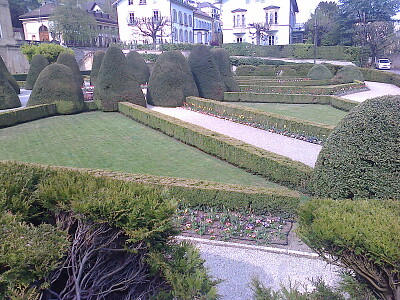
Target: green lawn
[114,142]
[319,113]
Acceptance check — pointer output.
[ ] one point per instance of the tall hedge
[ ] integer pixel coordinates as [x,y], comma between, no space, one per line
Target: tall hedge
[138,67]
[97,60]
[8,97]
[171,81]
[116,83]
[8,76]
[221,57]
[206,73]
[348,74]
[56,84]
[319,71]
[361,156]
[69,60]
[38,63]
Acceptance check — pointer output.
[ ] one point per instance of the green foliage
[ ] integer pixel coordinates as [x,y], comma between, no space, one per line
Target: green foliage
[37,64]
[56,84]
[361,235]
[8,76]
[138,66]
[283,69]
[381,76]
[348,74]
[97,60]
[206,73]
[171,81]
[48,50]
[319,72]
[116,83]
[69,60]
[172,47]
[150,57]
[360,157]
[287,71]
[254,61]
[249,70]
[221,57]
[8,97]
[10,118]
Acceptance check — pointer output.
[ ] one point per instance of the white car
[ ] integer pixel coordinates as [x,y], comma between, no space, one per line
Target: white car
[383,64]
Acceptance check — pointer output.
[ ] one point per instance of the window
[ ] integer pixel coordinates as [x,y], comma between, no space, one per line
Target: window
[190,36]
[181,35]
[174,15]
[131,18]
[156,15]
[271,40]
[185,20]
[142,2]
[186,36]
[130,2]
[180,17]
[243,21]
[199,38]
[276,17]
[1,32]
[190,21]
[175,34]
[239,40]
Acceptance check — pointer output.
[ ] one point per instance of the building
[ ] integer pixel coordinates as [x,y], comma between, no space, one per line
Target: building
[203,27]
[215,12]
[278,16]
[37,26]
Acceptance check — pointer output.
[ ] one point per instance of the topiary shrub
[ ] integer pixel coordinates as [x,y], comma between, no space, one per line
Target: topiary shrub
[221,57]
[261,70]
[116,83]
[97,60]
[38,63]
[360,158]
[8,76]
[171,81]
[348,74]
[206,73]
[138,67]
[319,72]
[8,97]
[69,60]
[56,84]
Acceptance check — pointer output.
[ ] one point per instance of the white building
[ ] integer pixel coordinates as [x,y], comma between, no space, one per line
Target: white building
[203,28]
[238,15]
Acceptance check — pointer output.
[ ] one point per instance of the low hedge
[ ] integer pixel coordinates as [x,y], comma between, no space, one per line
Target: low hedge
[282,82]
[381,76]
[260,119]
[269,165]
[13,117]
[336,102]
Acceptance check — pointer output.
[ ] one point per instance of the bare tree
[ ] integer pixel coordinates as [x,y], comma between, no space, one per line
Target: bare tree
[261,31]
[152,27]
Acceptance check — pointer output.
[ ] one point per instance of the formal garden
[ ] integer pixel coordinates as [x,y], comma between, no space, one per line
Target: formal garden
[102,186]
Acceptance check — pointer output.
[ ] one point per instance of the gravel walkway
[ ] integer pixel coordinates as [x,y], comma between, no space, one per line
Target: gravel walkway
[376,89]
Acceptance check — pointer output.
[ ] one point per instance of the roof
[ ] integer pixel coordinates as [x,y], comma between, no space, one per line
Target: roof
[206,4]
[271,7]
[42,11]
[239,10]
[201,13]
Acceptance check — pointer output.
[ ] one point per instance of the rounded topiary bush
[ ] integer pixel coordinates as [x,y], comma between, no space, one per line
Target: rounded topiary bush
[361,156]
[8,76]
[206,73]
[138,67]
[97,60]
[56,84]
[8,97]
[319,72]
[116,83]
[69,60]
[38,63]
[171,81]
[348,74]
[221,57]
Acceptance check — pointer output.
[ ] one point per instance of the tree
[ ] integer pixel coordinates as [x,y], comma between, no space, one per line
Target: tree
[19,7]
[50,51]
[261,30]
[369,10]
[152,27]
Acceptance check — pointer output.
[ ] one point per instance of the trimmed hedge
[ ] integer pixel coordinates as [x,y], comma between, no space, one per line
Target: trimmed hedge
[8,97]
[361,157]
[318,72]
[69,60]
[348,74]
[13,117]
[269,165]
[138,67]
[37,64]
[97,60]
[381,76]
[221,57]
[8,76]
[258,81]
[281,70]
[336,102]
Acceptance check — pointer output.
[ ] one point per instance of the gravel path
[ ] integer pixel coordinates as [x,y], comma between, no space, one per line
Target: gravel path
[376,89]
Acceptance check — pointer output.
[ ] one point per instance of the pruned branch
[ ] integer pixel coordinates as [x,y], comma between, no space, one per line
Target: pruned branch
[151,27]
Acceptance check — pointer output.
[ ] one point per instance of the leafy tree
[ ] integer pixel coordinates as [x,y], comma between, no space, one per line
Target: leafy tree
[19,7]
[152,27]
[50,51]
[261,31]
[369,10]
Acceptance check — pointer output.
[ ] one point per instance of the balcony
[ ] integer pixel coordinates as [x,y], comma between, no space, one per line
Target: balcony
[241,29]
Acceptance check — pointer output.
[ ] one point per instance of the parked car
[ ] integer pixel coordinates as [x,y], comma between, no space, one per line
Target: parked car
[383,64]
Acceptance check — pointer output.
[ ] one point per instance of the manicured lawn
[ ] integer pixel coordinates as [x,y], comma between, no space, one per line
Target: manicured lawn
[114,142]
[324,114]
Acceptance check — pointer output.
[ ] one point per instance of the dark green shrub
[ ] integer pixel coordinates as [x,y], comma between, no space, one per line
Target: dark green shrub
[116,83]
[261,70]
[69,60]
[361,156]
[37,64]
[360,235]
[138,67]
[8,76]
[26,114]
[348,74]
[287,71]
[318,72]
[97,60]
[221,57]
[8,97]
[56,84]
[171,81]
[206,73]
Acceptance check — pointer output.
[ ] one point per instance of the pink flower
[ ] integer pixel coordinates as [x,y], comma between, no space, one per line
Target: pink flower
[228,224]
[209,221]
[188,225]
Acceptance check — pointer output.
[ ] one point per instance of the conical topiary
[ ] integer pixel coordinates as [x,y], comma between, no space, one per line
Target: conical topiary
[206,73]
[115,83]
[348,74]
[38,63]
[361,156]
[69,60]
[9,77]
[97,60]
[171,81]
[56,84]
[8,97]
[221,57]
[319,72]
[138,66]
